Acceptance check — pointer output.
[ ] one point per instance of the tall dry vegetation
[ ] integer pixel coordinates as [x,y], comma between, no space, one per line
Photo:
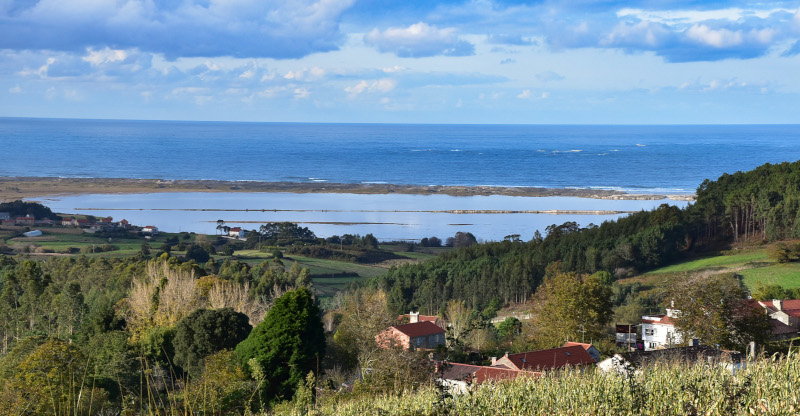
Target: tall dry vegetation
[166,294]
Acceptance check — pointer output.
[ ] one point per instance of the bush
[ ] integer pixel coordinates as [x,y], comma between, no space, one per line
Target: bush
[205,332]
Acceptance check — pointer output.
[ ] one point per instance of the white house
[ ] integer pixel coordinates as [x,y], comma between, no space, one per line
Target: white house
[150,229]
[237,232]
[658,331]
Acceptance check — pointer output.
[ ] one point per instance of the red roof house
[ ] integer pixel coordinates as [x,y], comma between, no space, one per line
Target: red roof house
[457,377]
[419,335]
[414,317]
[545,360]
[786,311]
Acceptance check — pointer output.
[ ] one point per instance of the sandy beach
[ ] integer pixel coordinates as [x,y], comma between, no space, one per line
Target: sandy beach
[13,188]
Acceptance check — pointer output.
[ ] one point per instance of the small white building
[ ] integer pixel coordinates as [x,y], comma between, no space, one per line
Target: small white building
[658,331]
[237,232]
[150,229]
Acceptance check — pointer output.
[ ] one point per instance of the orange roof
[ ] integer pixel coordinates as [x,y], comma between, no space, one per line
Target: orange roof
[419,329]
[660,319]
[578,344]
[550,359]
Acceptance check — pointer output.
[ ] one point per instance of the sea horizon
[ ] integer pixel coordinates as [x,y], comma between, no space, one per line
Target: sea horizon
[654,159]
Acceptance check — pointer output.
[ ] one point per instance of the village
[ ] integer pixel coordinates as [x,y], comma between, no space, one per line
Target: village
[658,340]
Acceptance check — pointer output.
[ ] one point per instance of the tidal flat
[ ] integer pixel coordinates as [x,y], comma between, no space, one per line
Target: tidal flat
[392,216]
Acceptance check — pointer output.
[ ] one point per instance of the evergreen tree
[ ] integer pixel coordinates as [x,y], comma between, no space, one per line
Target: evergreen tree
[286,345]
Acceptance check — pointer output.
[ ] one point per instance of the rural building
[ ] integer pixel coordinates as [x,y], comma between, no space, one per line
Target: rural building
[545,360]
[25,220]
[419,335]
[414,317]
[635,361]
[5,216]
[626,334]
[457,378]
[237,232]
[594,352]
[658,331]
[786,311]
[150,229]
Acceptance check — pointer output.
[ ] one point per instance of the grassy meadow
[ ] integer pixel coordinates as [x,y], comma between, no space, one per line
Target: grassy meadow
[753,264]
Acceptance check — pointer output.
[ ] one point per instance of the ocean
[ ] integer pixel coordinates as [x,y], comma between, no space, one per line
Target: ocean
[641,159]
[636,159]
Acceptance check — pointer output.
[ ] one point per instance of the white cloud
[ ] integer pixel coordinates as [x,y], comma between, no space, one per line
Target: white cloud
[380,86]
[720,38]
[15,90]
[525,94]
[300,93]
[419,40]
[105,56]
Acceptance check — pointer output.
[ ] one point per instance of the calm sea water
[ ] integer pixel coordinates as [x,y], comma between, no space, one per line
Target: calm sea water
[388,217]
[656,159]
[642,159]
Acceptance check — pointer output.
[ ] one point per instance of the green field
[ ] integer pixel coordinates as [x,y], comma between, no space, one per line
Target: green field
[752,264]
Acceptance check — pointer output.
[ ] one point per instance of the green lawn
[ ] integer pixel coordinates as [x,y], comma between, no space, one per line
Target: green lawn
[321,267]
[729,260]
[753,264]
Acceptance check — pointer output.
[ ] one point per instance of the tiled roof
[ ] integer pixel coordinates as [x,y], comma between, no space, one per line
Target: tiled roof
[551,359]
[419,329]
[790,306]
[480,374]
[780,328]
[659,319]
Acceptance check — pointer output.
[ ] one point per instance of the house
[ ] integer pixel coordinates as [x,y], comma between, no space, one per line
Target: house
[414,317]
[658,331]
[545,360]
[419,335]
[786,311]
[594,352]
[28,220]
[635,361]
[626,334]
[237,232]
[457,378]
[5,216]
[124,224]
[150,229]
[68,221]
[83,223]
[107,220]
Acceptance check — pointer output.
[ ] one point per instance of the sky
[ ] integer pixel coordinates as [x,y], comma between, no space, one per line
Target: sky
[403,61]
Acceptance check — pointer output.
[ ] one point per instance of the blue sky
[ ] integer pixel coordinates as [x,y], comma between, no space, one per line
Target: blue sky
[410,61]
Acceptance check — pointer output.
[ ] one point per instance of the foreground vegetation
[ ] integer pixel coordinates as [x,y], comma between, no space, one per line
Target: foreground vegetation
[765,387]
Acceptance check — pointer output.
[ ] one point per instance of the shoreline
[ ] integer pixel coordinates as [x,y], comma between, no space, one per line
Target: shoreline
[13,188]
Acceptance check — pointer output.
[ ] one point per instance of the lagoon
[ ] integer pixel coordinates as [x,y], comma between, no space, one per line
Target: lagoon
[388,217]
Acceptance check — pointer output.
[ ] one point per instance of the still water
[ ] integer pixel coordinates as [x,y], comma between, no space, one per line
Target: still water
[388,217]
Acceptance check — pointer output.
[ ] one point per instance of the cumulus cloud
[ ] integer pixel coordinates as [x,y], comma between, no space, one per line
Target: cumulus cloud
[190,28]
[419,40]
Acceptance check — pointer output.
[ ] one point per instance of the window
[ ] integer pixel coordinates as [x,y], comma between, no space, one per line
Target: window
[650,331]
[652,345]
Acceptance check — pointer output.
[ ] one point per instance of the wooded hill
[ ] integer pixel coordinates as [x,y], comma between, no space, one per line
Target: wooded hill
[761,204]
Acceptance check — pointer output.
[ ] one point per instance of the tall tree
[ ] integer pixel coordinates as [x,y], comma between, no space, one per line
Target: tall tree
[287,345]
[569,306]
[715,309]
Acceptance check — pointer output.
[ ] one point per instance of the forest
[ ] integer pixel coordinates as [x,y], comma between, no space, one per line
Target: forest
[761,205]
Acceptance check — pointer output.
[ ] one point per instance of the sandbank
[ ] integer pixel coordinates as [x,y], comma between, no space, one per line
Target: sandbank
[13,188]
